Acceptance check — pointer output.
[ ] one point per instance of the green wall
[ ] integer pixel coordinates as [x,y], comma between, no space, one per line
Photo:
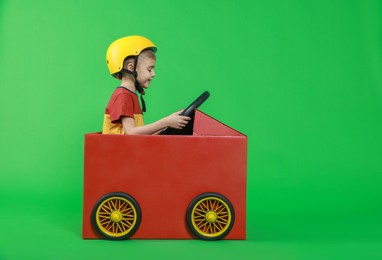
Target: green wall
[302,79]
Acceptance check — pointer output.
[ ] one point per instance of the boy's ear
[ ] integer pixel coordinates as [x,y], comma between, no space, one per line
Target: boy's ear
[130,66]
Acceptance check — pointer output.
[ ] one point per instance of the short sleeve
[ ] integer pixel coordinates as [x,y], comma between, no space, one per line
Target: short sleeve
[122,106]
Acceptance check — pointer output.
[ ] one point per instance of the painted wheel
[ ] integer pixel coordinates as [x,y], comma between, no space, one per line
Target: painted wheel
[116,216]
[210,216]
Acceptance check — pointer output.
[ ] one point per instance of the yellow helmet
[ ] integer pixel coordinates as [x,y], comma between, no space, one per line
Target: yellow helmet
[124,47]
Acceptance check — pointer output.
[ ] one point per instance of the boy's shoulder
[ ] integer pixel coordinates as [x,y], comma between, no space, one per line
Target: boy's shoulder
[122,95]
[122,98]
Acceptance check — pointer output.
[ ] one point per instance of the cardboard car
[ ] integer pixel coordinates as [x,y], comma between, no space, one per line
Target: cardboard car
[166,186]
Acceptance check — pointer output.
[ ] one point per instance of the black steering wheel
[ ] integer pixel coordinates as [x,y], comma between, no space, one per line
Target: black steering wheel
[190,112]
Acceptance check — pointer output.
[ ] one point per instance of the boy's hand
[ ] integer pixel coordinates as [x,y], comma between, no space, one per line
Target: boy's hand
[177,121]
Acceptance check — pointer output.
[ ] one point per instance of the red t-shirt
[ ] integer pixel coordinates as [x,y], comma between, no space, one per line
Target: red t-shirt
[123,102]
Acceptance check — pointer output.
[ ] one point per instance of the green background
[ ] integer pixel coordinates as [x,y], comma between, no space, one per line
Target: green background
[302,79]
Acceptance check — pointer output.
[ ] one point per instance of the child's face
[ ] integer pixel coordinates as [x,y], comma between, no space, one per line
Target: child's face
[146,71]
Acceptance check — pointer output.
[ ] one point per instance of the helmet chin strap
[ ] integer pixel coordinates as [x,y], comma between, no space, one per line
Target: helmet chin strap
[138,86]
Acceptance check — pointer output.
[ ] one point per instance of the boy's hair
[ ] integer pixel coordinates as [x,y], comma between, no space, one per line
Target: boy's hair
[146,54]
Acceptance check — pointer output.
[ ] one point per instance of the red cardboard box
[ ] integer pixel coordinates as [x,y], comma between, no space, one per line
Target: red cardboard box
[164,174]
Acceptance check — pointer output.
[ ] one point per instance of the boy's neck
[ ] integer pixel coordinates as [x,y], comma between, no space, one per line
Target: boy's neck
[129,84]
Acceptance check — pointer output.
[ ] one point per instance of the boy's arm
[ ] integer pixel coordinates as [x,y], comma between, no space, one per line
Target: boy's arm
[130,128]
[174,121]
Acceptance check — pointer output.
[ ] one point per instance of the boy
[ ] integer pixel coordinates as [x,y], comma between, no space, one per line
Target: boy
[132,60]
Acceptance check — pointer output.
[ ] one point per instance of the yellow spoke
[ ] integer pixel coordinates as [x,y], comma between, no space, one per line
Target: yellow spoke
[205,223]
[121,205]
[116,228]
[222,222]
[208,202]
[102,221]
[106,208]
[207,206]
[213,228]
[223,218]
[220,226]
[123,229]
[116,204]
[199,217]
[203,206]
[213,205]
[108,225]
[201,210]
[128,222]
[128,215]
[216,228]
[119,227]
[199,214]
[128,210]
[124,224]
[201,224]
[110,206]
[103,218]
[206,228]
[113,204]
[209,227]
[221,205]
[222,210]
[198,222]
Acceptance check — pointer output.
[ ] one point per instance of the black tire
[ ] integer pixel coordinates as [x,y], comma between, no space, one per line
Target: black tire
[116,216]
[210,216]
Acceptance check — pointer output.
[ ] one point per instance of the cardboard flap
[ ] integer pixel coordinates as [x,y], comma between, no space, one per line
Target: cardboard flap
[206,125]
